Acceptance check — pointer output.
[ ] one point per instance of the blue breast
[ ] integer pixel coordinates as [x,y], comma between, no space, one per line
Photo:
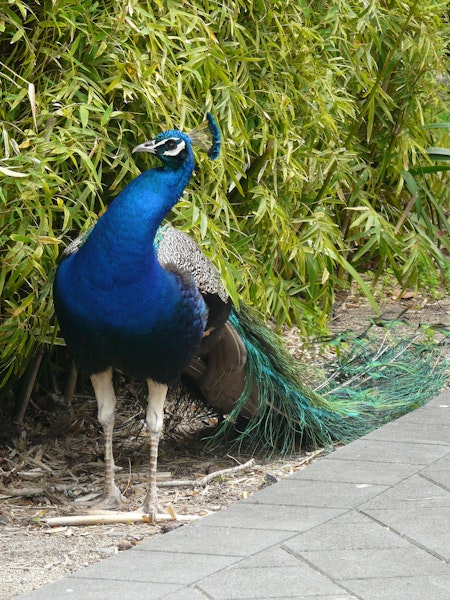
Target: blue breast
[151,328]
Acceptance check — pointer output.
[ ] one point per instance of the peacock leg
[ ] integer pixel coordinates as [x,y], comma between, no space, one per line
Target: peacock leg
[106,401]
[155,412]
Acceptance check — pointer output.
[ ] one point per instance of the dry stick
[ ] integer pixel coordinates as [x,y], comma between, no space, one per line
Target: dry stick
[405,213]
[311,456]
[32,492]
[207,478]
[71,382]
[37,463]
[30,384]
[107,518]
[29,492]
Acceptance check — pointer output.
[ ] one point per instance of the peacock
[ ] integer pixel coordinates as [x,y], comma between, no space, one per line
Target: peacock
[138,295]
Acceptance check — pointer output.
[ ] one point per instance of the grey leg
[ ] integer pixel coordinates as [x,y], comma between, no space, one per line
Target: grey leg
[106,400]
[155,411]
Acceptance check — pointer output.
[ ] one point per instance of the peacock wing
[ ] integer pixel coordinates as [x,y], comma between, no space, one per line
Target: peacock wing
[179,253]
[76,244]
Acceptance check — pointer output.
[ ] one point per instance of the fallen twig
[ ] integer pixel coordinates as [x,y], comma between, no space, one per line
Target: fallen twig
[110,517]
[311,456]
[30,492]
[207,478]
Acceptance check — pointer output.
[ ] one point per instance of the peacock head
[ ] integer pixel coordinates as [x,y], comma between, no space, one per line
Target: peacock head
[174,147]
[171,147]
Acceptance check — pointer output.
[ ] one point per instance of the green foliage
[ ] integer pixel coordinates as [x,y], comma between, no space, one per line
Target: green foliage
[326,110]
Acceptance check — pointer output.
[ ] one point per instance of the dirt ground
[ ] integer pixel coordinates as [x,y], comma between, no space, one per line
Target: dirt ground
[52,466]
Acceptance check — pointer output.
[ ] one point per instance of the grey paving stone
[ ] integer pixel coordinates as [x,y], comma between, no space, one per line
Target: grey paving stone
[343,595]
[93,589]
[262,516]
[365,563]
[390,451]
[156,567]
[357,471]
[439,472]
[298,492]
[189,593]
[443,396]
[431,414]
[273,557]
[428,527]
[415,432]
[427,587]
[339,596]
[346,532]
[442,400]
[222,541]
[414,492]
[437,410]
[277,582]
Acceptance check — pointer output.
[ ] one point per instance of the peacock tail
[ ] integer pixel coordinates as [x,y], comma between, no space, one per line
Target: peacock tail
[372,382]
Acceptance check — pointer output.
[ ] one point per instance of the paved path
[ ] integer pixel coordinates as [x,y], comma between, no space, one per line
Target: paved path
[370,521]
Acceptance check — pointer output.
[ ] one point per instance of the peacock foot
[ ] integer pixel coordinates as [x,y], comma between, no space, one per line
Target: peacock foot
[111,500]
[152,511]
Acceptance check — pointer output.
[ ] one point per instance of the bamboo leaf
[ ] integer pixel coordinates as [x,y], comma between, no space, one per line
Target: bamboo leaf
[84,116]
[362,284]
[444,125]
[439,154]
[411,184]
[12,173]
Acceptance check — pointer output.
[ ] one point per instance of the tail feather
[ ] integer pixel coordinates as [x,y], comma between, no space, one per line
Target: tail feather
[372,383]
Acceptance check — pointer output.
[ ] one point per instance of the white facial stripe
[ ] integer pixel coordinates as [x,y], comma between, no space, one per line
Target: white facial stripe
[162,142]
[176,151]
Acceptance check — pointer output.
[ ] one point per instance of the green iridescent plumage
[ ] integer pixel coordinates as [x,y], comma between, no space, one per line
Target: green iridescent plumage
[374,381]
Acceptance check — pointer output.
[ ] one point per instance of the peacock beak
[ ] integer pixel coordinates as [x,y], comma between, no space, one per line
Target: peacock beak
[149,146]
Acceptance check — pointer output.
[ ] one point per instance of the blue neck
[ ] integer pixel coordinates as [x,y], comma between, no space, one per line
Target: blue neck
[123,237]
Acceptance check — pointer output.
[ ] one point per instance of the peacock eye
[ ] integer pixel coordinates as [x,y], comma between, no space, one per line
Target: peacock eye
[171,144]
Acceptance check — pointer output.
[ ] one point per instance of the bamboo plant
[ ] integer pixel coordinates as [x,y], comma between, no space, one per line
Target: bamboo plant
[335,132]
